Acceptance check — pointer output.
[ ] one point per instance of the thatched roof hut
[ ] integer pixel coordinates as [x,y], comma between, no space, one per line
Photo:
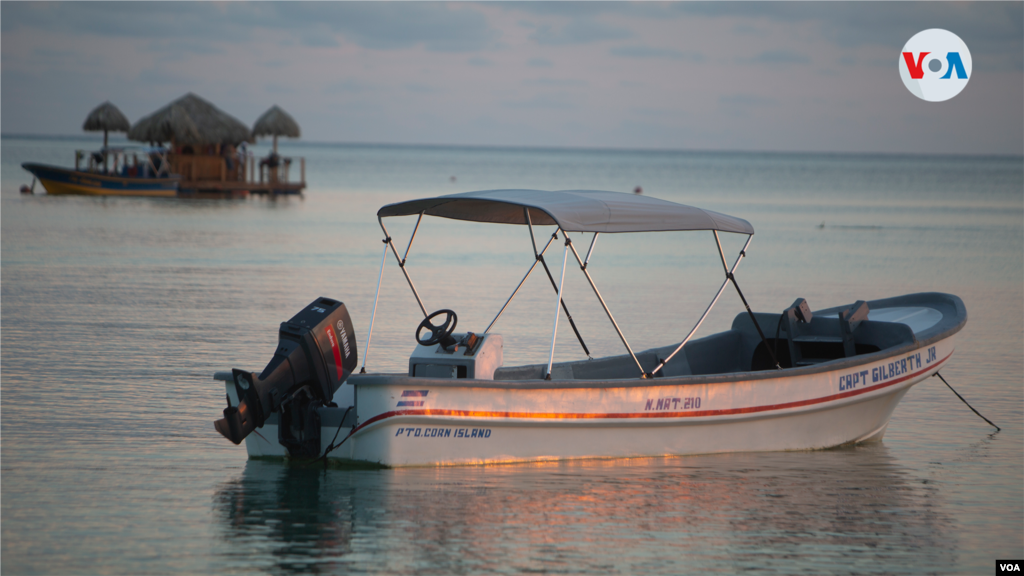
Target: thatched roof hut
[106,117]
[190,120]
[276,122]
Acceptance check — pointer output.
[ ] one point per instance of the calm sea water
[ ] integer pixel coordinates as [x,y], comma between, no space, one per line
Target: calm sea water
[116,312]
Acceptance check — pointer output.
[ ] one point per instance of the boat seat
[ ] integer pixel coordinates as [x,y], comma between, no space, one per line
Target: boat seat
[849,320]
[813,339]
[816,340]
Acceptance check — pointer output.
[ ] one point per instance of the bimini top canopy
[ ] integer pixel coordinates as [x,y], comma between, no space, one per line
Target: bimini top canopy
[572,211]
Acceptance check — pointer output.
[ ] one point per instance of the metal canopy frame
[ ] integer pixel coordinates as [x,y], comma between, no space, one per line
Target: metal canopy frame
[560,303]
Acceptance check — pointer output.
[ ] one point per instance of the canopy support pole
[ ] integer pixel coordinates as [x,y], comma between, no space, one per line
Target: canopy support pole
[376,295]
[554,331]
[411,238]
[589,252]
[540,257]
[521,282]
[728,278]
[753,318]
[401,261]
[583,266]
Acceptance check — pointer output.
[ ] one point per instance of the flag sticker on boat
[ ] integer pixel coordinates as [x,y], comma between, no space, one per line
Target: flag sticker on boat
[413,394]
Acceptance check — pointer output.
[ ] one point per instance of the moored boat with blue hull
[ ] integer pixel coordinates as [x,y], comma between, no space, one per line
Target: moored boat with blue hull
[794,380]
[57,180]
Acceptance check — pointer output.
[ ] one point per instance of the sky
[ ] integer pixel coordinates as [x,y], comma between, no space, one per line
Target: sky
[762,76]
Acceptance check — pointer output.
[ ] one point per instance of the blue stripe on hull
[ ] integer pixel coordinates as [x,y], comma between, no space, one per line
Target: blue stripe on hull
[59,180]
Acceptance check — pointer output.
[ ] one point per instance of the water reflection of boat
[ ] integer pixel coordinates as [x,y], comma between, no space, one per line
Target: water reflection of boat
[791,381]
[823,510]
[290,507]
[130,171]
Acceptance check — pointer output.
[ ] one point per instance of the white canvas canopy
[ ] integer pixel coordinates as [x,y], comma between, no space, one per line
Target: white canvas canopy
[572,211]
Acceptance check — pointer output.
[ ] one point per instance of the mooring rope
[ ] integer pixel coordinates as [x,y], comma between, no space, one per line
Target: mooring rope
[965,402]
[331,447]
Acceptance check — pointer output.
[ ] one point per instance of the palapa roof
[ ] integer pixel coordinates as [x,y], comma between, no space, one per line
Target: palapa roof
[572,211]
[106,117]
[276,122]
[190,120]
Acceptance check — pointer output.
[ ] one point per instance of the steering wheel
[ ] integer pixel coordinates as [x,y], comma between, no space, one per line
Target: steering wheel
[438,333]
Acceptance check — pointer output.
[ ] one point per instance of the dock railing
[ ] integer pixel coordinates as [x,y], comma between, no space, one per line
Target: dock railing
[123,162]
[203,172]
[279,172]
[242,170]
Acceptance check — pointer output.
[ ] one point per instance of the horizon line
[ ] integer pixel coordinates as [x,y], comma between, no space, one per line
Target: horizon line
[290,141]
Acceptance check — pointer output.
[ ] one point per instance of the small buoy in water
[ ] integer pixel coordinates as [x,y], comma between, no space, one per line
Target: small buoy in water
[25,189]
[638,190]
[822,225]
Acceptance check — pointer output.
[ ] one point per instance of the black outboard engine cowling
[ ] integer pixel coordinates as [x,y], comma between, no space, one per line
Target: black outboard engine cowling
[316,352]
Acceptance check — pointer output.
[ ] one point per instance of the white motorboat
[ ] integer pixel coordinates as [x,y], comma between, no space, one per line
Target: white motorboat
[794,380]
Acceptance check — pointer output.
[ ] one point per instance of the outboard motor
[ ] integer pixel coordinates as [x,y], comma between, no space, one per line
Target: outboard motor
[316,352]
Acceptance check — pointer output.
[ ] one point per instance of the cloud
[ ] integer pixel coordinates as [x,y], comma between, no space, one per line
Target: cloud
[655,112]
[318,37]
[275,88]
[150,20]
[990,29]
[418,88]
[555,82]
[642,51]
[380,26]
[746,100]
[389,26]
[777,57]
[573,73]
[178,48]
[570,9]
[542,101]
[581,31]
[162,77]
[350,86]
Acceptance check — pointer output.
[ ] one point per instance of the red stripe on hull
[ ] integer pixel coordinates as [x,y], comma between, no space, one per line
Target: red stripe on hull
[627,415]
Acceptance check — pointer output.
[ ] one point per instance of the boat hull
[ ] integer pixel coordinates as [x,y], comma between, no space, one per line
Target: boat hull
[405,421]
[428,441]
[63,181]
[460,425]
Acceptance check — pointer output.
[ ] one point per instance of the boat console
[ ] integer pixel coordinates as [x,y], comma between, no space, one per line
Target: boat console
[440,353]
[471,356]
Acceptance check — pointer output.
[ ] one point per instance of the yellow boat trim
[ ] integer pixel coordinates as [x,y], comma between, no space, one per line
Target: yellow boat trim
[60,188]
